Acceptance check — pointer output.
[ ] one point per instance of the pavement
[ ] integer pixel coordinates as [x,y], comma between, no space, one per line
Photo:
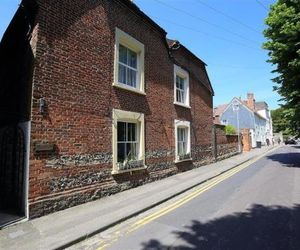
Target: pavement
[65,228]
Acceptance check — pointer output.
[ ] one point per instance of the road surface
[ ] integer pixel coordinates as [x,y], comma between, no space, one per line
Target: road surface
[256,206]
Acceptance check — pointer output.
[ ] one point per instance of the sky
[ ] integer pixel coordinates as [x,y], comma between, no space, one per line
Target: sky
[225,34]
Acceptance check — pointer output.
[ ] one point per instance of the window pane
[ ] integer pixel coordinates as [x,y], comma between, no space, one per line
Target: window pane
[121,152]
[121,131]
[177,82]
[122,74]
[184,147]
[182,96]
[131,132]
[179,134]
[131,81]
[131,151]
[122,54]
[180,148]
[180,82]
[132,59]
[179,96]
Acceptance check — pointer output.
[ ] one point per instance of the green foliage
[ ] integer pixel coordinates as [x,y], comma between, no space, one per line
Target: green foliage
[283,44]
[230,130]
[282,121]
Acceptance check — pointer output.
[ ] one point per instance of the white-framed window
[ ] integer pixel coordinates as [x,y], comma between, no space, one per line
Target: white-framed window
[128,71]
[181,87]
[224,122]
[182,141]
[129,63]
[128,141]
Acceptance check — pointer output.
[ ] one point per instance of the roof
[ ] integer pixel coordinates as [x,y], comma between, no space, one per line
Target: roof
[261,105]
[259,115]
[175,45]
[220,109]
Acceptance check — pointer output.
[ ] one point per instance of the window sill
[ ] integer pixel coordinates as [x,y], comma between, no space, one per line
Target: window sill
[182,105]
[188,159]
[134,90]
[116,172]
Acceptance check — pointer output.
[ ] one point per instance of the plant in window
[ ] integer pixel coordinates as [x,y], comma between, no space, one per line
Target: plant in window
[184,156]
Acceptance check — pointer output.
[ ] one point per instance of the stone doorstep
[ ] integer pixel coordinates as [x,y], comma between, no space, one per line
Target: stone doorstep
[70,232]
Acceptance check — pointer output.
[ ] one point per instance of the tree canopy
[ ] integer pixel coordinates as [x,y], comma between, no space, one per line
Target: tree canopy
[281,121]
[283,44]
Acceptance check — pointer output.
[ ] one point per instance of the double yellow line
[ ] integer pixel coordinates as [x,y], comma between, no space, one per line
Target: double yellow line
[204,187]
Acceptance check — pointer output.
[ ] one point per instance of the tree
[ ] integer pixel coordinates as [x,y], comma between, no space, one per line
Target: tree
[281,121]
[230,130]
[283,43]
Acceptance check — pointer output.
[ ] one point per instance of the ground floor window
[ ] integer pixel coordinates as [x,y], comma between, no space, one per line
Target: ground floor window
[182,139]
[128,141]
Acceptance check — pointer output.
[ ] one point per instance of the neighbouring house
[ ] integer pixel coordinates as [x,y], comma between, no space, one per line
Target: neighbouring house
[262,108]
[247,114]
[95,100]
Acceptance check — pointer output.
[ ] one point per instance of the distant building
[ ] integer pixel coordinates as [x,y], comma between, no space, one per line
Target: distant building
[250,115]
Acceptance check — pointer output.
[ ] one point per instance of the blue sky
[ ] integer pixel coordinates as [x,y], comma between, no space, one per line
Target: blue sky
[226,34]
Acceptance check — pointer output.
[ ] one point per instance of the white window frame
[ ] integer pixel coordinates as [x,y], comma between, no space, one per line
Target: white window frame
[224,122]
[126,141]
[131,43]
[131,117]
[186,125]
[178,71]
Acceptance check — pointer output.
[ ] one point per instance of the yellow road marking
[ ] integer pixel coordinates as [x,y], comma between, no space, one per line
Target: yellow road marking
[205,186]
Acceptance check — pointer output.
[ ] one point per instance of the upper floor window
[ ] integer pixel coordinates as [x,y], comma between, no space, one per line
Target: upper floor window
[129,63]
[128,71]
[180,90]
[181,87]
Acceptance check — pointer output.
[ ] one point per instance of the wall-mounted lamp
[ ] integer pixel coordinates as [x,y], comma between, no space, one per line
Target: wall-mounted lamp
[42,105]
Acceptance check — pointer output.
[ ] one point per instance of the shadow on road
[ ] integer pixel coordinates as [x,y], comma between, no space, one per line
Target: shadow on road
[287,159]
[259,228]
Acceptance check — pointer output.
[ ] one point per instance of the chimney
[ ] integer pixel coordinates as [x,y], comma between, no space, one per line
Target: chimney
[251,101]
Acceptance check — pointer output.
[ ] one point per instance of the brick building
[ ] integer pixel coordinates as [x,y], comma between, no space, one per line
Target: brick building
[99,102]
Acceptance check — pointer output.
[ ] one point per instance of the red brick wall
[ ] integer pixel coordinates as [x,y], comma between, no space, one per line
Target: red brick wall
[74,74]
[246,139]
[226,145]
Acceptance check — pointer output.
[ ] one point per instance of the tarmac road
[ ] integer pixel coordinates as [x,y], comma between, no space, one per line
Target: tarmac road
[256,206]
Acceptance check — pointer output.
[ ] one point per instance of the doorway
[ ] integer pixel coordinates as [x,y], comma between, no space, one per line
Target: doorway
[12,174]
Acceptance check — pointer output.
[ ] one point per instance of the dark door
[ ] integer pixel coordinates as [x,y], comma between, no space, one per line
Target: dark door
[12,155]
